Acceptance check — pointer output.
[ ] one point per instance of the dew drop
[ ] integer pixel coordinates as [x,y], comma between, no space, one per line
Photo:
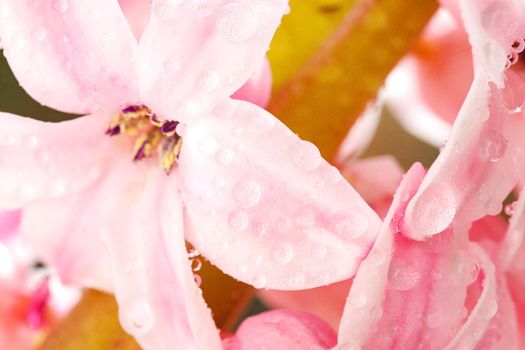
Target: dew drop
[283,225]
[247,193]
[219,182]
[433,320]
[137,318]
[166,9]
[171,65]
[263,122]
[39,33]
[358,301]
[238,22]
[493,146]
[513,94]
[354,226]
[30,142]
[283,255]
[306,156]
[198,279]
[510,209]
[225,157]
[42,158]
[376,313]
[60,6]
[298,280]
[319,251]
[493,206]
[259,282]
[403,277]
[238,220]
[518,45]
[306,218]
[208,146]
[492,309]
[434,210]
[209,81]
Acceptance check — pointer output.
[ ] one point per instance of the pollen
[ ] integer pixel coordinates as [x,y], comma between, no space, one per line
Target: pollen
[153,137]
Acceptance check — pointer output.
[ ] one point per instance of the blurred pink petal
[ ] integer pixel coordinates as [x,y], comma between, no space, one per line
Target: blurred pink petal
[280,330]
[9,221]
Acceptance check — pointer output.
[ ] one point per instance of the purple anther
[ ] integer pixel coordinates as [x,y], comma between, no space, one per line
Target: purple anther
[112,131]
[168,127]
[132,108]
[140,152]
[154,119]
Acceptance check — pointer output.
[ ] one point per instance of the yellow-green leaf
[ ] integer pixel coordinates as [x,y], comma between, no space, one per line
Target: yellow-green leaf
[326,95]
[91,325]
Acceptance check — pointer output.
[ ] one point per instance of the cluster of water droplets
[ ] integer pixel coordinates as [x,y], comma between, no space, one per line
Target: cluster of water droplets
[513,94]
[196,264]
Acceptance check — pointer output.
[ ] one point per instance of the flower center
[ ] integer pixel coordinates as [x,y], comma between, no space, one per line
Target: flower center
[152,135]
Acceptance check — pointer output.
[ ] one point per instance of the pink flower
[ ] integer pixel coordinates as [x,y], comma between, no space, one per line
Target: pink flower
[243,189]
[282,329]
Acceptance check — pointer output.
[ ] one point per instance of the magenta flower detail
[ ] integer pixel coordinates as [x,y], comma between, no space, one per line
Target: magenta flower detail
[163,155]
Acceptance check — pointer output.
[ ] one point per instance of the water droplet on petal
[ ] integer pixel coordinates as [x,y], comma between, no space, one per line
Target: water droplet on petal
[358,301]
[354,226]
[283,255]
[518,45]
[238,220]
[259,282]
[263,122]
[166,9]
[298,280]
[60,6]
[225,157]
[493,146]
[510,209]
[209,81]
[319,251]
[433,320]
[513,94]
[39,33]
[247,193]
[306,156]
[402,276]
[137,318]
[434,210]
[238,22]
[376,313]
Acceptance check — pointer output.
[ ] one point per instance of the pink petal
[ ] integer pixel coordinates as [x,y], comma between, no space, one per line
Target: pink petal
[410,294]
[326,302]
[137,13]
[70,240]
[484,157]
[282,329]
[159,302]
[9,221]
[45,160]
[258,89]
[265,207]
[74,56]
[194,54]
